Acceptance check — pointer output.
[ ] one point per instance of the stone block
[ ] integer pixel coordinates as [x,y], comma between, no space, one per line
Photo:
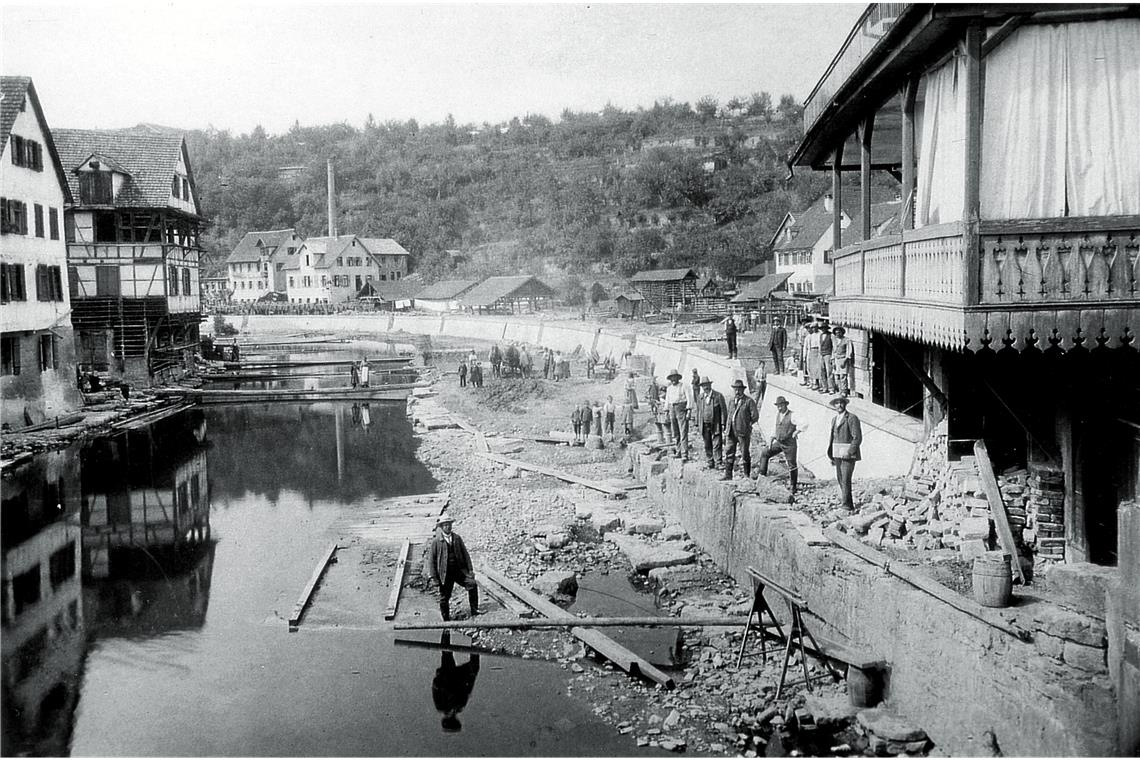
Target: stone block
[1090,659]
[1070,626]
[604,522]
[1080,586]
[556,582]
[645,556]
[972,548]
[974,528]
[642,525]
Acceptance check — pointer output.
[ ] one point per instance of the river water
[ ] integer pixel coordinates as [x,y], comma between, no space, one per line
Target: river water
[146,575]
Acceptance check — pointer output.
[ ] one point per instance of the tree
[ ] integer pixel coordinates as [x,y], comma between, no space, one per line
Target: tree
[707,108]
[789,109]
[760,104]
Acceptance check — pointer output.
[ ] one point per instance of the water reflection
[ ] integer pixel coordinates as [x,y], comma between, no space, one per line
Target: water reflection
[452,685]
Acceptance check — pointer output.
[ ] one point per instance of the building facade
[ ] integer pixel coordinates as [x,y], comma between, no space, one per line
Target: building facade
[38,369]
[256,266]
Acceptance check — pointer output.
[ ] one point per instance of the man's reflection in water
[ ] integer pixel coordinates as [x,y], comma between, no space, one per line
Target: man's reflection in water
[452,685]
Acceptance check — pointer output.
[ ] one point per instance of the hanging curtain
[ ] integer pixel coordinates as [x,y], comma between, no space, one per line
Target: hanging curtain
[942,157]
[1061,134]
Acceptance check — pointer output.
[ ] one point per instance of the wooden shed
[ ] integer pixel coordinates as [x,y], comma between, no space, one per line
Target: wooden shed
[665,289]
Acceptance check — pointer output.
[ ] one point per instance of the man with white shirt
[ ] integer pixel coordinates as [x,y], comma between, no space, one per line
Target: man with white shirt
[784,440]
[678,400]
[761,378]
[843,448]
[449,563]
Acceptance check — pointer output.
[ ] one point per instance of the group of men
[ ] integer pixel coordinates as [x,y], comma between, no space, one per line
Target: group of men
[471,371]
[827,358]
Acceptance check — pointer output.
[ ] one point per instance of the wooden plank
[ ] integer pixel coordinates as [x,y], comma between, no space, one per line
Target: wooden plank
[997,507]
[551,472]
[935,589]
[504,597]
[611,650]
[397,581]
[307,592]
[606,622]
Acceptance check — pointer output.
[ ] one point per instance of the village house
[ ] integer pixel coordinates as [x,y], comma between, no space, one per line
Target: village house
[518,293]
[38,368]
[133,249]
[256,266]
[215,285]
[444,295]
[1007,304]
[666,289]
[340,269]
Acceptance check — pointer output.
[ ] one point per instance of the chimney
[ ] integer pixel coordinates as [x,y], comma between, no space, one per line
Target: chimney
[332,200]
[828,200]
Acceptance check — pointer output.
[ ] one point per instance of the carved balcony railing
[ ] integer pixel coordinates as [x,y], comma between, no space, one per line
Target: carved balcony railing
[1063,282]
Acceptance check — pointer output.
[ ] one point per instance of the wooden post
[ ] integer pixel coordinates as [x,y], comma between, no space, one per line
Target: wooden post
[310,587]
[973,148]
[397,581]
[997,508]
[837,202]
[907,212]
[866,131]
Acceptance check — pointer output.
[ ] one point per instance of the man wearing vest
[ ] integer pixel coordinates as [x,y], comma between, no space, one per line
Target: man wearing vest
[784,441]
[742,415]
[843,448]
[678,401]
[712,413]
[843,362]
[449,563]
[777,344]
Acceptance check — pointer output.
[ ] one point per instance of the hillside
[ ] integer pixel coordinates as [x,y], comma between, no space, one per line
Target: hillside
[614,191]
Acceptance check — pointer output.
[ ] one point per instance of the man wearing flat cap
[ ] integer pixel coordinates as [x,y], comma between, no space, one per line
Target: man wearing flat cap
[742,415]
[843,448]
[784,440]
[449,563]
[712,413]
[678,401]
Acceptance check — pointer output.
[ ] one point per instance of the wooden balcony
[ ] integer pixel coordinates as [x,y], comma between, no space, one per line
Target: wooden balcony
[1042,282]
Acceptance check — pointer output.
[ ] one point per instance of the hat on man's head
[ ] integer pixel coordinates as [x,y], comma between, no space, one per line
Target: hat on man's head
[672,374]
[706,381]
[781,400]
[838,401]
[738,383]
[838,329]
[444,519]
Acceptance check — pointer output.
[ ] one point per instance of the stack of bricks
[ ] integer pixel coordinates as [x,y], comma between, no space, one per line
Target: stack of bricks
[1012,484]
[1045,525]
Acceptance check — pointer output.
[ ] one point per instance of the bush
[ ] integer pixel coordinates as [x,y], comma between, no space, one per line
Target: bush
[222,327]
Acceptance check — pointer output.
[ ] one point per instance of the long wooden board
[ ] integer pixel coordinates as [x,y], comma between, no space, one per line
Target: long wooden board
[397,581]
[502,596]
[997,507]
[603,645]
[571,622]
[551,472]
[307,592]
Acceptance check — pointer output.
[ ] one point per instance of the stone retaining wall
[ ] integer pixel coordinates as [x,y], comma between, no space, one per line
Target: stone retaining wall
[951,673]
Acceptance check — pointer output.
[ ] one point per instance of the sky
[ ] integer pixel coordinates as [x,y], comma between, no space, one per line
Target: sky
[236,65]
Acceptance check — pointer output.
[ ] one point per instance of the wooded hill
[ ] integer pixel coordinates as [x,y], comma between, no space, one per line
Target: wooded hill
[608,192]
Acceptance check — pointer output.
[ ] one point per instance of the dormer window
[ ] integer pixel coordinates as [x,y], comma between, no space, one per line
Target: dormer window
[96,186]
[176,188]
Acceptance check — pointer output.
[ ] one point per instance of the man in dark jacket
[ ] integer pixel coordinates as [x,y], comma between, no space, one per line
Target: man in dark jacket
[730,337]
[449,563]
[712,414]
[777,343]
[843,447]
[452,685]
[742,415]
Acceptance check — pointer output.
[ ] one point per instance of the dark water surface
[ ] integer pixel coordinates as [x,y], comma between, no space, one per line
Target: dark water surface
[144,613]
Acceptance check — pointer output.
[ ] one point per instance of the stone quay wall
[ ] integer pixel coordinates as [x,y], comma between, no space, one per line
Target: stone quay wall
[951,673]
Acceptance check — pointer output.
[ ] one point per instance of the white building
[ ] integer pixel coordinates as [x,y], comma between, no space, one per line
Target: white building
[38,372]
[256,266]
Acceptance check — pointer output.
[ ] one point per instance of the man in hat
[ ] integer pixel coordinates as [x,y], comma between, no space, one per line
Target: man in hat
[843,362]
[826,382]
[777,343]
[449,563]
[678,401]
[742,415]
[784,440]
[760,376]
[730,336]
[843,447]
[712,414]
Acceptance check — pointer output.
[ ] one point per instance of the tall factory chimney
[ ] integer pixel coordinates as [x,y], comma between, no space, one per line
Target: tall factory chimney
[332,200]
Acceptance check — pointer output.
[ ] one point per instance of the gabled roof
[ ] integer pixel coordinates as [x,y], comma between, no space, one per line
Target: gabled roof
[630,296]
[492,289]
[884,221]
[389,291]
[663,275]
[13,92]
[762,288]
[247,250]
[383,247]
[807,227]
[148,156]
[446,290]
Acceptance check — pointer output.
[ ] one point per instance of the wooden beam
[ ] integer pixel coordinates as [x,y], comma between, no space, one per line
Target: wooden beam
[935,589]
[502,596]
[909,95]
[926,380]
[837,200]
[572,621]
[607,647]
[866,133]
[551,472]
[307,592]
[997,507]
[1001,34]
[397,581]
[971,212]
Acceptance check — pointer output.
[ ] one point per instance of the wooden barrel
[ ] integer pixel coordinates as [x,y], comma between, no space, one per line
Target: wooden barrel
[993,580]
[864,687]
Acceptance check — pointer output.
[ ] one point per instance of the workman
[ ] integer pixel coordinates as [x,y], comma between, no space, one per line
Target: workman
[712,414]
[742,415]
[784,440]
[449,563]
[678,401]
[777,343]
[843,448]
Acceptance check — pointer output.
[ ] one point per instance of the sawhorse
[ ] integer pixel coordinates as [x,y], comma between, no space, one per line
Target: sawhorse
[795,636]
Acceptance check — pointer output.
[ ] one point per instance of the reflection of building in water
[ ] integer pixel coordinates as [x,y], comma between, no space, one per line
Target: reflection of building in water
[145,492]
[43,640]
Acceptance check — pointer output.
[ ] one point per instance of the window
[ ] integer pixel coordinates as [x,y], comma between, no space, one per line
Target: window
[61,565]
[306,260]
[176,188]
[173,280]
[49,284]
[48,357]
[13,217]
[53,223]
[186,189]
[10,355]
[106,280]
[39,217]
[17,150]
[290,282]
[104,227]
[12,283]
[307,281]
[186,281]
[26,589]
[96,187]
[368,277]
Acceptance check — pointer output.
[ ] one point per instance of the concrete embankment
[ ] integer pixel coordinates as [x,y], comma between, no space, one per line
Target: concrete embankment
[953,674]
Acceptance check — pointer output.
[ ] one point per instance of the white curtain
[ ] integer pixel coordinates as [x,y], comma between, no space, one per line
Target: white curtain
[1061,134]
[942,155]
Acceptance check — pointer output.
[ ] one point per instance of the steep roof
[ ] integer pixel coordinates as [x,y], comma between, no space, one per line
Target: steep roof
[663,275]
[492,289]
[13,92]
[762,288]
[150,158]
[247,250]
[389,291]
[445,290]
[807,227]
[383,247]
[884,221]
[760,270]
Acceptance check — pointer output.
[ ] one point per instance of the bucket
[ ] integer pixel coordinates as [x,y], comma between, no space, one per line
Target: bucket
[864,687]
[993,580]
